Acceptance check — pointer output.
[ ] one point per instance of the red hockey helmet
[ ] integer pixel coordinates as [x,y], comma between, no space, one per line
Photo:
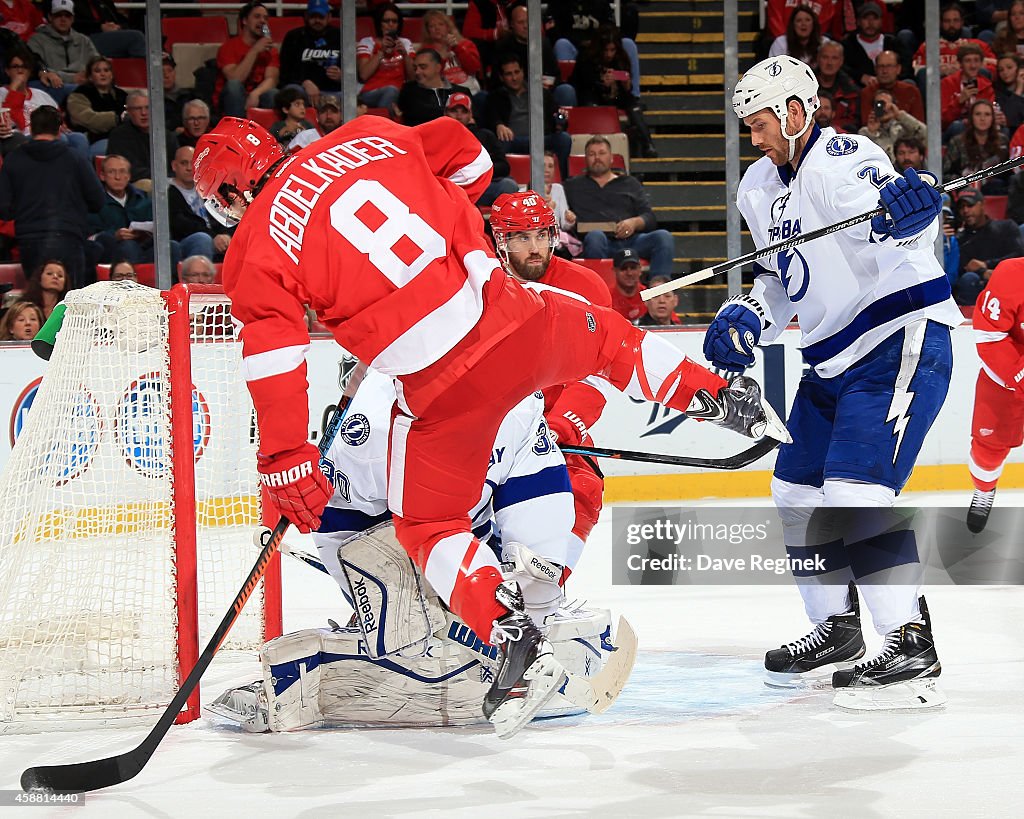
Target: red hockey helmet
[521,212]
[229,164]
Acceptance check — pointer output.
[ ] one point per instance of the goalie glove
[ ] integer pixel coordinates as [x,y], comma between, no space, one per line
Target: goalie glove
[296,486]
[732,335]
[740,408]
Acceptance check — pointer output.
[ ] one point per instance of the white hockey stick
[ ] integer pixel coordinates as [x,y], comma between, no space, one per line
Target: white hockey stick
[771,250]
[597,693]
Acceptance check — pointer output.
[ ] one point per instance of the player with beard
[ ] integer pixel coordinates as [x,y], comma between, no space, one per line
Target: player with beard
[525,235]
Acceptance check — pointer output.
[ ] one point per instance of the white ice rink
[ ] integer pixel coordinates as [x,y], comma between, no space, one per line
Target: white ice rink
[695,733]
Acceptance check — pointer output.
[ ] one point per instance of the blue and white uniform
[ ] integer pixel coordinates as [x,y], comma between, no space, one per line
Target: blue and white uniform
[874,314]
[526,498]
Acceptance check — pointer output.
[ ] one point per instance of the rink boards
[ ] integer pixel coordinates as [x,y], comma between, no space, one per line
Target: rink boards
[637,425]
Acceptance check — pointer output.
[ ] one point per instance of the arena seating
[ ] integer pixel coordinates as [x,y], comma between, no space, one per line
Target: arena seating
[11,273]
[129,72]
[194,30]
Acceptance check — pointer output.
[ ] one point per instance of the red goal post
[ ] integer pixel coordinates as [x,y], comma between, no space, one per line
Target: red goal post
[130,499]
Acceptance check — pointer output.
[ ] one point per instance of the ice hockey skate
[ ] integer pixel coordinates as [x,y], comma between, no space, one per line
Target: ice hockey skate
[807,662]
[901,676]
[981,505]
[246,705]
[528,673]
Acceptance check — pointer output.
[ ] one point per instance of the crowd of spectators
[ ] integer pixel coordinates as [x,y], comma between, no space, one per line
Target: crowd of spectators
[78,176]
[870,65]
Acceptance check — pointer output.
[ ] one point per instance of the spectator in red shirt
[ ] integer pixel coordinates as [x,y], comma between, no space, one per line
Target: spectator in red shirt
[384,62]
[835,82]
[249,64]
[460,58]
[626,298]
[904,93]
[20,17]
[951,30]
[960,89]
[779,13]
[661,310]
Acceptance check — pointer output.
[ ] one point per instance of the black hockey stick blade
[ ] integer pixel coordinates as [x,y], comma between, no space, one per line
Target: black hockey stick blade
[741,459]
[113,770]
[799,239]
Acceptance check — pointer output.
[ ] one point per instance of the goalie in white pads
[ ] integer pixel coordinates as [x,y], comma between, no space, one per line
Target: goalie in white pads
[404,659]
[875,312]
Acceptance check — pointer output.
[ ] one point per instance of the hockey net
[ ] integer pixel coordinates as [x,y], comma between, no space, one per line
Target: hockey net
[127,513]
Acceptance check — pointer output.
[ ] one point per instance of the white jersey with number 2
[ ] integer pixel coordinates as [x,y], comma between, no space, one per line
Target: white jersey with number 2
[850,289]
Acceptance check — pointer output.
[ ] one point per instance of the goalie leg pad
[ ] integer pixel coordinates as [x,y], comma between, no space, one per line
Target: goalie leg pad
[396,609]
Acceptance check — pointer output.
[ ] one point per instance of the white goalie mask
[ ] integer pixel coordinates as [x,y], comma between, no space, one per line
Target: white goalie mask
[771,84]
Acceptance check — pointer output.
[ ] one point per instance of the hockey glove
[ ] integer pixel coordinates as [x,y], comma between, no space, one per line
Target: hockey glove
[738,407]
[296,486]
[912,203]
[730,339]
[587,493]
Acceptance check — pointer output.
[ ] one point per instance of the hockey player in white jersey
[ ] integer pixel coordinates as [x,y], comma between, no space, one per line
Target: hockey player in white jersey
[875,312]
[404,660]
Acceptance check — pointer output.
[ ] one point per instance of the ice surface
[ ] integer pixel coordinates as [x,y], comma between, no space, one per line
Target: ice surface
[695,733]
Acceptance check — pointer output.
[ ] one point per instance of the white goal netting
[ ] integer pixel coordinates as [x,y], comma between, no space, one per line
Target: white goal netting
[97,553]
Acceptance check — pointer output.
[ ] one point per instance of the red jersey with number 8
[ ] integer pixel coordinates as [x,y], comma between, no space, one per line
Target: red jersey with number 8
[372,228]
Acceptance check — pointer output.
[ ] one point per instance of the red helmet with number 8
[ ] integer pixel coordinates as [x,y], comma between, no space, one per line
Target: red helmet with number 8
[521,212]
[229,164]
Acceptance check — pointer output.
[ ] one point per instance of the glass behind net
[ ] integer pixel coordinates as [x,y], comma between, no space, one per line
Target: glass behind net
[88,619]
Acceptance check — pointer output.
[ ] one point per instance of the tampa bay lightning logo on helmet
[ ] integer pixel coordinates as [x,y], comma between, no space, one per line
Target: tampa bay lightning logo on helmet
[793,268]
[841,146]
[356,429]
[774,70]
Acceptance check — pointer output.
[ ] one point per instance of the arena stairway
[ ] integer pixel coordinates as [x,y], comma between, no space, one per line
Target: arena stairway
[681,45]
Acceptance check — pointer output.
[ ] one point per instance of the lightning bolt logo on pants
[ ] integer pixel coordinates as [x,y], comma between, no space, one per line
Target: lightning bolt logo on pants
[899,413]
[899,407]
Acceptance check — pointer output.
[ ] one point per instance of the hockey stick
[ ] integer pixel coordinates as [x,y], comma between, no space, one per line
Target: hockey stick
[113,770]
[303,557]
[741,459]
[771,250]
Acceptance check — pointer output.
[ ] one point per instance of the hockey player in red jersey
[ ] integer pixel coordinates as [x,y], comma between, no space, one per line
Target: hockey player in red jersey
[373,228]
[525,235]
[998,423]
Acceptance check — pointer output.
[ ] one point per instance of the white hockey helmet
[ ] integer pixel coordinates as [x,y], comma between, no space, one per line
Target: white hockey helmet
[771,84]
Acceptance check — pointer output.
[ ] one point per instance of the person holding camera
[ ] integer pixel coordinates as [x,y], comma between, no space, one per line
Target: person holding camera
[249,64]
[384,63]
[961,88]
[887,122]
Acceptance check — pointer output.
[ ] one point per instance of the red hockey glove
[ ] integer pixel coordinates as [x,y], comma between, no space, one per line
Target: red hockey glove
[569,433]
[296,486]
[587,494]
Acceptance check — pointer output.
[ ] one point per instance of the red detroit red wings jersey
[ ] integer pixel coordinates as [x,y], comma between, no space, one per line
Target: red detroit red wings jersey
[372,228]
[580,403]
[999,324]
